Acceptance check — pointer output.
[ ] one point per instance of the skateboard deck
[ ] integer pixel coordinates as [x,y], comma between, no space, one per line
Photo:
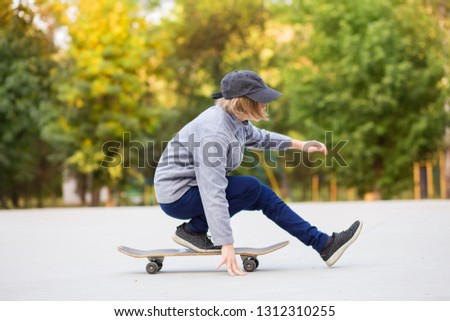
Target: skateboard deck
[156,257]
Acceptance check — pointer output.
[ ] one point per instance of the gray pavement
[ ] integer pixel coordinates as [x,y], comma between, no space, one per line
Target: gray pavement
[70,254]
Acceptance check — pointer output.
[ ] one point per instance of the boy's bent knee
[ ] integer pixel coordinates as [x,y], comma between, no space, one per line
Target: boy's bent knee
[247,186]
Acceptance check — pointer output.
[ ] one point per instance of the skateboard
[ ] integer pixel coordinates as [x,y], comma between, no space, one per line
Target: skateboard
[156,257]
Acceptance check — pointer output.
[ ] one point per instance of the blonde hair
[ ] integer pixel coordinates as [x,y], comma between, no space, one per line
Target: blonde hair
[243,108]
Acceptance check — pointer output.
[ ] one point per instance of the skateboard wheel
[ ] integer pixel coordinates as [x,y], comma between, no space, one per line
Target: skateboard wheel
[152,268]
[250,265]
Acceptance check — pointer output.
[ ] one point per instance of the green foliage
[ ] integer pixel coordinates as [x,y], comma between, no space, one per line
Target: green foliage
[102,86]
[203,41]
[25,68]
[372,73]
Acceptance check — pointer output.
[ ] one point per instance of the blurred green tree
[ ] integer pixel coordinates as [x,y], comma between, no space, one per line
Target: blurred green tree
[103,88]
[371,73]
[441,10]
[26,167]
[201,41]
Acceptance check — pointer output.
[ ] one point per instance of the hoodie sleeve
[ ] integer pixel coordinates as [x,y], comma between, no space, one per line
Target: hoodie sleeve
[261,139]
[210,170]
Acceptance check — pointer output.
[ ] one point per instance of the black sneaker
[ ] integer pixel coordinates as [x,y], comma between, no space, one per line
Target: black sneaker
[339,243]
[199,242]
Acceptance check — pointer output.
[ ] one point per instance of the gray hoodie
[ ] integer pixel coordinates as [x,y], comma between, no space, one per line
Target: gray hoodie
[202,154]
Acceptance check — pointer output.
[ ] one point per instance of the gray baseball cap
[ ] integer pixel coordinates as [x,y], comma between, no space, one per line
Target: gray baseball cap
[246,83]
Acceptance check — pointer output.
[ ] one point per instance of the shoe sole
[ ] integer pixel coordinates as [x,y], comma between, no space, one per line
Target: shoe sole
[185,243]
[333,259]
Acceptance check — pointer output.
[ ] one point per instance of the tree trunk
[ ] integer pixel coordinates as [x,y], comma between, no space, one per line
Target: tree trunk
[110,201]
[15,199]
[285,189]
[3,201]
[443,10]
[447,166]
[82,186]
[95,197]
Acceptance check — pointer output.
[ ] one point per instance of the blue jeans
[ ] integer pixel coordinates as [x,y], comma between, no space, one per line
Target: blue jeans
[247,193]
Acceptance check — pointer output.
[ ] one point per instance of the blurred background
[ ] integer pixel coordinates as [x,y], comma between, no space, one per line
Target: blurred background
[91,91]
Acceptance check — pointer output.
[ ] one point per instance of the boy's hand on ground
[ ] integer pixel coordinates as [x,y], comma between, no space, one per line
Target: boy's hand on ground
[229,259]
